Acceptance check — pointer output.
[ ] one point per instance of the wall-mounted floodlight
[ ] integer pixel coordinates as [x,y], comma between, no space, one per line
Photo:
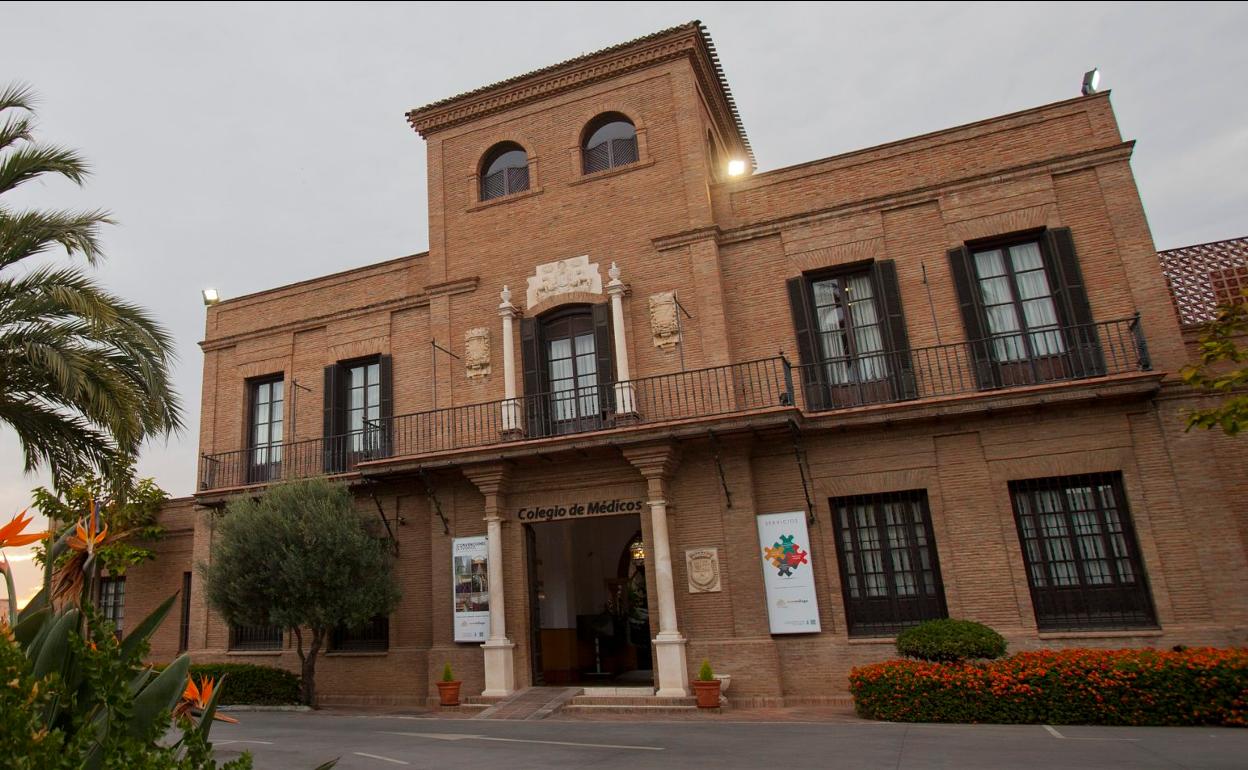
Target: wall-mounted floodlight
[211,297]
[1091,81]
[736,167]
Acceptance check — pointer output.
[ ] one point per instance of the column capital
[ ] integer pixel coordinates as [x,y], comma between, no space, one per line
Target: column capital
[489,478]
[653,461]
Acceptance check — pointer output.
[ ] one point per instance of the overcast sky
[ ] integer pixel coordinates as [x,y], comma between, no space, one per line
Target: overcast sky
[243,147]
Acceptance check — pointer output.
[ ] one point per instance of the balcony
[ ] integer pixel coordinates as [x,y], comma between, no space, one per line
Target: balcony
[699,394]
[1001,363]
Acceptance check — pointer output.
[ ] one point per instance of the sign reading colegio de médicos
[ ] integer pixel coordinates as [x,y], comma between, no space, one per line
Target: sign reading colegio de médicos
[578,510]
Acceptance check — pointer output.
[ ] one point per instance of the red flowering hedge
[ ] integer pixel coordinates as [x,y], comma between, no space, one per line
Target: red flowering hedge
[1198,686]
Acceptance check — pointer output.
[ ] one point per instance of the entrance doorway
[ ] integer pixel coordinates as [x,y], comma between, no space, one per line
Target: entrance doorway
[589,622]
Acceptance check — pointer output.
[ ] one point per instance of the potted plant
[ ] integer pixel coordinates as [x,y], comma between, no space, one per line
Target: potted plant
[707,687]
[448,688]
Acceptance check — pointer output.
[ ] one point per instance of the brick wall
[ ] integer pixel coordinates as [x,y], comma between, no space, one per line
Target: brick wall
[672,222]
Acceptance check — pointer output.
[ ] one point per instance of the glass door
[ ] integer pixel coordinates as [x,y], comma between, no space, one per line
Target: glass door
[572,372]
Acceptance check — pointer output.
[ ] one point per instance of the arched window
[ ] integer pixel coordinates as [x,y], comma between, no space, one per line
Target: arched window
[504,170]
[610,141]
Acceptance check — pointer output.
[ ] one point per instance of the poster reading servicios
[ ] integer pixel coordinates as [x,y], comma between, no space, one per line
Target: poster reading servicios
[784,547]
[471,584]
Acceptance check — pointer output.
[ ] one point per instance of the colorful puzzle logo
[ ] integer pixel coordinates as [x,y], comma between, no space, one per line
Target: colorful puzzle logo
[785,556]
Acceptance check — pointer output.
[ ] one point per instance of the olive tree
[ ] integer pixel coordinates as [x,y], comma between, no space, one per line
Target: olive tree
[298,556]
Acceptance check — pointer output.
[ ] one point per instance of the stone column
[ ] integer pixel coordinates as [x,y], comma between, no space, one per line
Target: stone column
[500,670]
[656,464]
[511,408]
[625,403]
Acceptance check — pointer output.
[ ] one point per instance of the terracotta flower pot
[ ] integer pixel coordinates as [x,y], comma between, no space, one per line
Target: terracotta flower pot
[708,694]
[448,692]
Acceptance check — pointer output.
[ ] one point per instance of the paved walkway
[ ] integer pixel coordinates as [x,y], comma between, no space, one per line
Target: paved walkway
[373,741]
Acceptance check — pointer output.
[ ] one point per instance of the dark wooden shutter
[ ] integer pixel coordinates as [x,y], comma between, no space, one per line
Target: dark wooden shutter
[596,158]
[494,185]
[604,347]
[888,297]
[811,374]
[517,179]
[332,443]
[536,413]
[385,370]
[624,151]
[1073,308]
[977,341]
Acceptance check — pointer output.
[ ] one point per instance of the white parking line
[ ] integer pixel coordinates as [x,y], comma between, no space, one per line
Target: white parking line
[1053,731]
[241,740]
[377,756]
[467,737]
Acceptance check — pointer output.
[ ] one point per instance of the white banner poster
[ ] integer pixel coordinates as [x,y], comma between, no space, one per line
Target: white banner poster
[788,574]
[471,586]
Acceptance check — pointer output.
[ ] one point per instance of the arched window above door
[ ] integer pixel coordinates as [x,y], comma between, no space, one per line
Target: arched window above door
[609,140]
[504,170]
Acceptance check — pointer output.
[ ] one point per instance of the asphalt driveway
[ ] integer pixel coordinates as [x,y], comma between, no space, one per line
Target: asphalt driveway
[377,742]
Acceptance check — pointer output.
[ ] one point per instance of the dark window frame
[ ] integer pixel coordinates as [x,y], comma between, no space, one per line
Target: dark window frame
[256,638]
[111,593]
[514,178]
[184,615]
[372,636]
[1092,603]
[540,414]
[1004,243]
[1072,347]
[866,615]
[587,403]
[264,459]
[821,388]
[611,153]
[853,358]
[346,446]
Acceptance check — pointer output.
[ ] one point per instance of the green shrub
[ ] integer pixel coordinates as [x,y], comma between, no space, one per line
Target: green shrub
[447,674]
[950,640]
[705,674]
[251,685]
[1197,686]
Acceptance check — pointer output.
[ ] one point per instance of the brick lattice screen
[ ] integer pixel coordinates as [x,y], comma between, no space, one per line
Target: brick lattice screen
[1205,276]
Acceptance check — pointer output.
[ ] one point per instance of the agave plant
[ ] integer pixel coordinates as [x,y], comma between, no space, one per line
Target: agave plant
[89,697]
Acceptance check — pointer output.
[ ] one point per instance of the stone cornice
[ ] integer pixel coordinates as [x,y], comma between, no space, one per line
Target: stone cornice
[676,240]
[688,40]
[927,193]
[459,286]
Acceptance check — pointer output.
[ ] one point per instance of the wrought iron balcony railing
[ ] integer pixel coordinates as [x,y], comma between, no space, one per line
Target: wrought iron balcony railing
[1001,362]
[701,393]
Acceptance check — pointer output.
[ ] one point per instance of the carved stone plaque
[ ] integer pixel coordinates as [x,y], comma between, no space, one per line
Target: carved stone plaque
[566,276]
[703,569]
[477,352]
[663,321]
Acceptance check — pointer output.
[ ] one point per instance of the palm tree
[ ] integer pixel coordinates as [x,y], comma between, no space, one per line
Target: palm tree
[83,374]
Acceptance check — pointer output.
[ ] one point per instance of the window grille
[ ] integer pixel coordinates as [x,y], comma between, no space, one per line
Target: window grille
[252,638]
[890,576]
[113,602]
[372,636]
[1082,558]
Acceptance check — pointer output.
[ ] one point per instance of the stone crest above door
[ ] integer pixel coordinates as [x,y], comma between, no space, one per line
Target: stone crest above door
[575,275]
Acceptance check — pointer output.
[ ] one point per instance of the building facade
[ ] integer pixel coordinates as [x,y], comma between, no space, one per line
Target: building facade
[764,419]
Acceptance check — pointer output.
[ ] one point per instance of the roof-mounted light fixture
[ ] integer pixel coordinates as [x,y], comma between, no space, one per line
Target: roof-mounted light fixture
[736,167]
[1091,81]
[210,297]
